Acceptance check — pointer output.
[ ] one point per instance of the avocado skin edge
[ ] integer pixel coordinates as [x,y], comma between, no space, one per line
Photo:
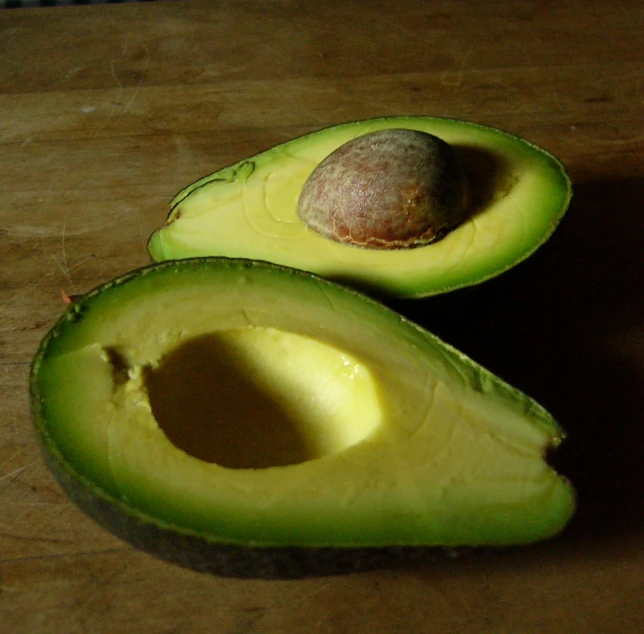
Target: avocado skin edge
[245,562]
[193,551]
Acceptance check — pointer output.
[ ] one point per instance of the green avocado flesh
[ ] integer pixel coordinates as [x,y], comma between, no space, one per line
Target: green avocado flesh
[244,403]
[249,210]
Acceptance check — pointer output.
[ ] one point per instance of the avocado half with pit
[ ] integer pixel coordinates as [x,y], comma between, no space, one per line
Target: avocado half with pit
[248,419]
[518,195]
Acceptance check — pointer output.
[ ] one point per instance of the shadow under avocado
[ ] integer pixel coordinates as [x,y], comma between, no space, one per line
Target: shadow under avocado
[558,327]
[490,176]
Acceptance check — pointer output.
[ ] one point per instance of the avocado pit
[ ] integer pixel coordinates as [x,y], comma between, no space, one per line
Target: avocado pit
[389,189]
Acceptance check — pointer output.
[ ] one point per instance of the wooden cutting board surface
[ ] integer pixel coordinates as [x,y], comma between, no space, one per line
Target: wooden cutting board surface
[107,111]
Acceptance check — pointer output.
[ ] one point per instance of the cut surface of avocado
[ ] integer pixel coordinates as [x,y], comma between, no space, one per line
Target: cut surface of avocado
[249,210]
[242,403]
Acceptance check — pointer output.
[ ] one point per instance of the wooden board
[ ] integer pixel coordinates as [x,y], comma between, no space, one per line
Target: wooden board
[107,111]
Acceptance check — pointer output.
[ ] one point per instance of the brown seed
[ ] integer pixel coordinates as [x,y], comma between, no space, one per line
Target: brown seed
[390,189]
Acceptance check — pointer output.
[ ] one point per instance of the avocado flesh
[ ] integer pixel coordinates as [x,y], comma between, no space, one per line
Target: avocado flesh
[409,442]
[250,210]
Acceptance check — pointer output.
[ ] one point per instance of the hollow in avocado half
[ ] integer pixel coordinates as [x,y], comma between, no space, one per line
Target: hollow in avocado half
[516,195]
[248,419]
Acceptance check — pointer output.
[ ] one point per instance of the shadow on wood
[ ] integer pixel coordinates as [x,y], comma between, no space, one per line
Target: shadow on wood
[563,327]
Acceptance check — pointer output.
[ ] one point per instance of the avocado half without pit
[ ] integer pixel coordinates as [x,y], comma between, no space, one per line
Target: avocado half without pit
[397,206]
[248,419]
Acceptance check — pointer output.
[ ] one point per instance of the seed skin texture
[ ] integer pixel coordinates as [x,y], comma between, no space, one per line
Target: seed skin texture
[390,189]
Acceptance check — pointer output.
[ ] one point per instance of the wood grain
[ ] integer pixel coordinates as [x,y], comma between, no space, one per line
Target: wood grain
[107,111]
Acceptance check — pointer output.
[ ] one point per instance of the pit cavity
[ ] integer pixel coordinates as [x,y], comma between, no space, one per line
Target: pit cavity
[260,397]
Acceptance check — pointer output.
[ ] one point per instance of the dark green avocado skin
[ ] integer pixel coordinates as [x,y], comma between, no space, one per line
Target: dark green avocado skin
[244,562]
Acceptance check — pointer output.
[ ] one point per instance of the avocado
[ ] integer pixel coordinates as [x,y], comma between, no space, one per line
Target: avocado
[244,418]
[517,195]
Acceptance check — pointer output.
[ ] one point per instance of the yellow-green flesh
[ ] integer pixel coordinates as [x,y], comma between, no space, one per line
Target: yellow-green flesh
[378,433]
[250,210]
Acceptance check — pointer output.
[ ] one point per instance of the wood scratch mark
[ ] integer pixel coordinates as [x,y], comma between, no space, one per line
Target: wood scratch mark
[455,78]
[307,596]
[82,553]
[96,587]
[65,268]
[27,506]
[82,606]
[13,364]
[10,301]
[118,82]
[64,271]
[141,78]
[52,518]
[34,538]
[12,475]
[12,457]
[121,87]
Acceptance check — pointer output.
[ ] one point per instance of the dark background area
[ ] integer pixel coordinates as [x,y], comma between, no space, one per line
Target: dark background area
[552,327]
